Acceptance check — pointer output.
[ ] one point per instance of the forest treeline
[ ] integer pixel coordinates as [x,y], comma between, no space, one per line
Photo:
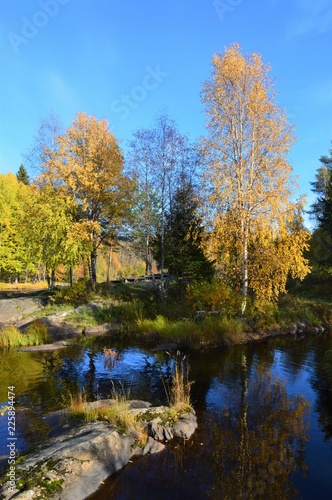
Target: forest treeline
[221,207]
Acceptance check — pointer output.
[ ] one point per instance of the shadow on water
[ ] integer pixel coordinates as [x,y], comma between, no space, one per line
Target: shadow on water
[264,414]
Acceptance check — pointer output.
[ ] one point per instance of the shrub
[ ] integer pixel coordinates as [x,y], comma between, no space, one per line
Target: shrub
[215,295]
[220,330]
[261,314]
[77,294]
[37,333]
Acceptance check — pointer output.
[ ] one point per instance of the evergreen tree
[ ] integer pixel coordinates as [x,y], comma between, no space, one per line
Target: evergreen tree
[325,215]
[22,175]
[184,235]
[321,210]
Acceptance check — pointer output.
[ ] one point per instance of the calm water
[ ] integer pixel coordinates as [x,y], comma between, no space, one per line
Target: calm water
[264,414]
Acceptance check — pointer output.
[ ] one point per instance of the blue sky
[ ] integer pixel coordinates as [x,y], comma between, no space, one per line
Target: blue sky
[125,61]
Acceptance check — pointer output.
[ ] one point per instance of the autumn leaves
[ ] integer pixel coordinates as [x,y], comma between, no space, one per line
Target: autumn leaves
[85,194]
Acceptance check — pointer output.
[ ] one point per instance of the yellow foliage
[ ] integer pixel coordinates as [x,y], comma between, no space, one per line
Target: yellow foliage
[248,178]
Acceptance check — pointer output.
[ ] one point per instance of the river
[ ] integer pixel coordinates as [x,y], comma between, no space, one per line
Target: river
[264,413]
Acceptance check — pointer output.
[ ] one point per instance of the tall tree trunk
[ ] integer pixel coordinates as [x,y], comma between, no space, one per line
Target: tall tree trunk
[162,253]
[48,279]
[244,288]
[108,278]
[147,260]
[93,269]
[53,278]
[71,278]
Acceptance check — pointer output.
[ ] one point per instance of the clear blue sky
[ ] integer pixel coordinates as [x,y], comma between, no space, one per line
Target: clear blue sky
[125,60]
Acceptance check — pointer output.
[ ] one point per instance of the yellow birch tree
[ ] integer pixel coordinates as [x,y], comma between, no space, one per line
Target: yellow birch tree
[87,166]
[248,177]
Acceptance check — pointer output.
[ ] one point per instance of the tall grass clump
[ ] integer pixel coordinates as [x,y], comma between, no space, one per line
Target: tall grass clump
[178,387]
[117,412]
[184,333]
[35,334]
[221,330]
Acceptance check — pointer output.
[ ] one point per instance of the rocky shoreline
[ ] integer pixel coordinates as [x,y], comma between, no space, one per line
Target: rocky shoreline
[75,460]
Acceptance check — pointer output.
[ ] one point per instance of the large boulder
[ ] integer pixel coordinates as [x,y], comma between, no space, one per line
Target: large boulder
[78,463]
[13,310]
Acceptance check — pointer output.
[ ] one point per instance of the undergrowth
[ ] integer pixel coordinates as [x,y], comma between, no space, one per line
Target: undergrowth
[35,334]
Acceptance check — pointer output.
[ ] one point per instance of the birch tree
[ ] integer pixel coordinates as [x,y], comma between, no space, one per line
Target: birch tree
[44,143]
[247,174]
[87,166]
[160,156]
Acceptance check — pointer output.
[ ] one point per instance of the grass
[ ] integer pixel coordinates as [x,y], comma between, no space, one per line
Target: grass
[179,389]
[117,413]
[209,331]
[141,314]
[36,334]
[296,308]
[41,285]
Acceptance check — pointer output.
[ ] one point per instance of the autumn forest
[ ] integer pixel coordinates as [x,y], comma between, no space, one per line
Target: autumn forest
[219,212]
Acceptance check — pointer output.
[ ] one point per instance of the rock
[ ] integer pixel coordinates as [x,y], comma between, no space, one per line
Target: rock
[44,347]
[78,459]
[136,404]
[166,347]
[100,330]
[301,327]
[158,431]
[13,310]
[292,329]
[185,426]
[155,429]
[59,329]
[94,453]
[152,446]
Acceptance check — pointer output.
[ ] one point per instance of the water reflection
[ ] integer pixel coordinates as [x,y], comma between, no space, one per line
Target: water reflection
[258,438]
[111,357]
[253,403]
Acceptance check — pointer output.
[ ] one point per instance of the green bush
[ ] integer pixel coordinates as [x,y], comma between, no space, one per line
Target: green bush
[295,308]
[261,315]
[214,296]
[77,294]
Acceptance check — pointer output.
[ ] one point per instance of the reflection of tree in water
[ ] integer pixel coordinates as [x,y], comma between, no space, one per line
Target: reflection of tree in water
[60,378]
[110,357]
[322,384]
[259,444]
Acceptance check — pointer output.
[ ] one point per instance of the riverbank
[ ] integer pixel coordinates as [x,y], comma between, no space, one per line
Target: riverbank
[134,312]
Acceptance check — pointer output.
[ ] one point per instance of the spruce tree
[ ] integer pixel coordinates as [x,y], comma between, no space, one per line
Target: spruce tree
[184,235]
[22,175]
